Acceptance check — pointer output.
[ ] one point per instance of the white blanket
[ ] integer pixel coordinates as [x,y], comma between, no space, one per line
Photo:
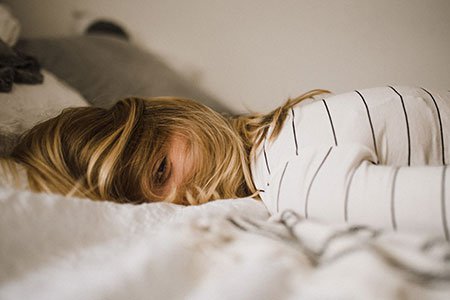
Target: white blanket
[52,247]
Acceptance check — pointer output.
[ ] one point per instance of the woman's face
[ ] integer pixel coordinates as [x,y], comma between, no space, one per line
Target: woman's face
[175,167]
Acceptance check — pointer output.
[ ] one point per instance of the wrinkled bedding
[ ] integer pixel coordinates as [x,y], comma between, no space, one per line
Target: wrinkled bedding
[53,247]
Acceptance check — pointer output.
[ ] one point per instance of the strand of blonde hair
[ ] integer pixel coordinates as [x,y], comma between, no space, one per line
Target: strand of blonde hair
[254,127]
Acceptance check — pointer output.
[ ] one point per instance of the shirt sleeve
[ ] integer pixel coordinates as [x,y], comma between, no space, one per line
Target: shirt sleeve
[343,184]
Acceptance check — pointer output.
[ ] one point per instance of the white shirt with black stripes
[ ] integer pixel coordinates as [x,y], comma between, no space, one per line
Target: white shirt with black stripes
[374,157]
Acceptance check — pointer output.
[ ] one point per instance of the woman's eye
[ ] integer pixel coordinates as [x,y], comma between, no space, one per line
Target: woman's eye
[161,171]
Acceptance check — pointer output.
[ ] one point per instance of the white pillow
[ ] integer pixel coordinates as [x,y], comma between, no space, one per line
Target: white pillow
[9,26]
[27,105]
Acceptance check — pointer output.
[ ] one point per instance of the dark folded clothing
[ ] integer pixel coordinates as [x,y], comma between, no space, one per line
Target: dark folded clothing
[17,67]
[6,79]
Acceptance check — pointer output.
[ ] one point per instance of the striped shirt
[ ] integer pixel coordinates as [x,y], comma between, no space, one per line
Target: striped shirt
[375,157]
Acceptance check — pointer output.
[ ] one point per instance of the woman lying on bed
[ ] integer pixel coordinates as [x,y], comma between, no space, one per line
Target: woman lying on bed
[375,156]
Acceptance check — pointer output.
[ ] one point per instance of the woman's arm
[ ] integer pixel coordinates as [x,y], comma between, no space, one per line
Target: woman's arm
[342,184]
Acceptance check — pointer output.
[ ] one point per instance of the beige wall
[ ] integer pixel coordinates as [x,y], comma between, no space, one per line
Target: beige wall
[256,53]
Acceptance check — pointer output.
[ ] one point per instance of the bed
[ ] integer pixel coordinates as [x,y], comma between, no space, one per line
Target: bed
[57,247]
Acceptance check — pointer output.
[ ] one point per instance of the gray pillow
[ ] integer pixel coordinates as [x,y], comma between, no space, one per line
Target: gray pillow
[105,69]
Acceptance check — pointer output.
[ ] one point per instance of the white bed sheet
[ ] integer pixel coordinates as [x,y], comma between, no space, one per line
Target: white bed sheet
[52,247]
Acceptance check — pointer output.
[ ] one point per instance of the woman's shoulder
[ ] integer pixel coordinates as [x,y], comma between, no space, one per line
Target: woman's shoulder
[383,92]
[383,98]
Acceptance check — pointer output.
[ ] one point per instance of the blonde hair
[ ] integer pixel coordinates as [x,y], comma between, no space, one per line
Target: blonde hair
[111,154]
[254,127]
[12,174]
